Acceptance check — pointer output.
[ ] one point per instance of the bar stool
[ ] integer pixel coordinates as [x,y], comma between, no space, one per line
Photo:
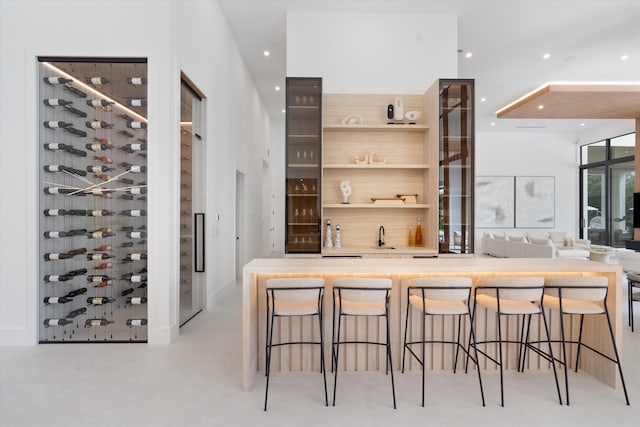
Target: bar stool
[440,296]
[509,296]
[288,297]
[583,295]
[633,281]
[360,297]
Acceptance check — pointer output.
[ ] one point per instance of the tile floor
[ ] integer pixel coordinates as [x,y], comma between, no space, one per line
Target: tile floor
[197,382]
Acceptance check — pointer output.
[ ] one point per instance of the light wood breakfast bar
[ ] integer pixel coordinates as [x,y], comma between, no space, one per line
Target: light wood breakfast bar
[401,270]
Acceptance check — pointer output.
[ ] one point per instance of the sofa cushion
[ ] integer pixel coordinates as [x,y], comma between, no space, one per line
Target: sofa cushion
[541,241]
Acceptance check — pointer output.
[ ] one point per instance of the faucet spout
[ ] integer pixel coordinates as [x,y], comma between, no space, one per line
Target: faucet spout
[381,236]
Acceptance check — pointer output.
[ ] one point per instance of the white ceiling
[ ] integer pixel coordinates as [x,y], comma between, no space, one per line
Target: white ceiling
[586,40]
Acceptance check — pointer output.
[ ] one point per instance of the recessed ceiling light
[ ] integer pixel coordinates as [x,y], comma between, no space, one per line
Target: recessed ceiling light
[483,99]
[277,88]
[266,53]
[284,111]
[493,124]
[581,124]
[546,56]
[468,55]
[540,107]
[624,57]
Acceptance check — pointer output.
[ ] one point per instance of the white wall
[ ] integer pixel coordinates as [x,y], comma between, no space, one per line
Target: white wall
[190,36]
[372,52]
[533,154]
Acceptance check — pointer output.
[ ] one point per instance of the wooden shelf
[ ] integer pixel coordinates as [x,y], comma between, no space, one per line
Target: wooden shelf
[375,166]
[374,206]
[378,127]
[301,165]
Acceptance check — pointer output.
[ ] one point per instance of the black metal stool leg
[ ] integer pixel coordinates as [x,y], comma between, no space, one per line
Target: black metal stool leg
[564,355]
[424,317]
[472,335]
[553,362]
[337,352]
[455,360]
[500,360]
[406,326]
[615,351]
[322,367]
[393,386]
[268,364]
[579,342]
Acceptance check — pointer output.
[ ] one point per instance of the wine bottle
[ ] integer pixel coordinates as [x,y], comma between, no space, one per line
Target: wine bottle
[99,300]
[130,148]
[97,278]
[77,272]
[54,256]
[75,111]
[100,212]
[136,190]
[104,159]
[126,244]
[126,197]
[98,256]
[103,248]
[97,322]
[136,300]
[98,81]
[76,132]
[127,292]
[77,232]
[136,125]
[49,278]
[98,124]
[126,181]
[137,81]
[56,300]
[54,146]
[74,90]
[134,212]
[98,147]
[55,102]
[99,169]
[135,257]
[127,134]
[105,193]
[126,228]
[76,313]
[137,102]
[58,190]
[56,124]
[138,169]
[63,168]
[56,322]
[104,283]
[53,80]
[136,234]
[55,212]
[76,292]
[135,278]
[99,103]
[54,234]
[104,266]
[143,285]
[136,322]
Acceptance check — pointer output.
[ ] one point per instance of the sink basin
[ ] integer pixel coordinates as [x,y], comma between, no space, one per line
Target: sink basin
[383,247]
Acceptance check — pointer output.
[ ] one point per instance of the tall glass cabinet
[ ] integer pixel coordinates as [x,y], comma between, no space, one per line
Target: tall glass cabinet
[303,164]
[456,165]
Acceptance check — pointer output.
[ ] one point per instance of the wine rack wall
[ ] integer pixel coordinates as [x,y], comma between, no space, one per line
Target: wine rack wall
[93,237]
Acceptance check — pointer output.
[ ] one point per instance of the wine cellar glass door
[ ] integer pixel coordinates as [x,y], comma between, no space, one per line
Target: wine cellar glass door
[93,199]
[303,157]
[191,191]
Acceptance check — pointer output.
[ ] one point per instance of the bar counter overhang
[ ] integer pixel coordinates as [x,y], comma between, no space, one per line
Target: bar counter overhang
[400,270]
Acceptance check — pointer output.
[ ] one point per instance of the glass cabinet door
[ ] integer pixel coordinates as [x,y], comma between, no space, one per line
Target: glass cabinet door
[303,157]
[456,127]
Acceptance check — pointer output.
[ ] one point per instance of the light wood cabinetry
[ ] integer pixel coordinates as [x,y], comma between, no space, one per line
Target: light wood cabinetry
[404,163]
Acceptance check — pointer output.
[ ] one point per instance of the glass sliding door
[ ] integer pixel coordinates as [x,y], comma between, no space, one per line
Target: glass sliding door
[607,185]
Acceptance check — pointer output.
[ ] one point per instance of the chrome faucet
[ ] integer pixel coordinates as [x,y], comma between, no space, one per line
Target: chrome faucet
[381,236]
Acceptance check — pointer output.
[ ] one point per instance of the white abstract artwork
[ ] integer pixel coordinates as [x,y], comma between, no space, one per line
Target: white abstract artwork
[535,202]
[494,202]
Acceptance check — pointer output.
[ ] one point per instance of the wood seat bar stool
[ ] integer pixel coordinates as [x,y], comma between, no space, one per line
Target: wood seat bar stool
[512,296]
[360,296]
[440,296]
[288,297]
[580,295]
[633,281]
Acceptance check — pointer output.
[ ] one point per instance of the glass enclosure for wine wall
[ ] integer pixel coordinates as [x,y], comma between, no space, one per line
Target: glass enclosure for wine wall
[93,238]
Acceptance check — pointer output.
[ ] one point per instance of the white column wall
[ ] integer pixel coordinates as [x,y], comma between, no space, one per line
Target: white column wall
[173,35]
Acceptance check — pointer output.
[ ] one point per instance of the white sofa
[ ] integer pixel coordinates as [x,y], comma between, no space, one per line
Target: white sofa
[505,245]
